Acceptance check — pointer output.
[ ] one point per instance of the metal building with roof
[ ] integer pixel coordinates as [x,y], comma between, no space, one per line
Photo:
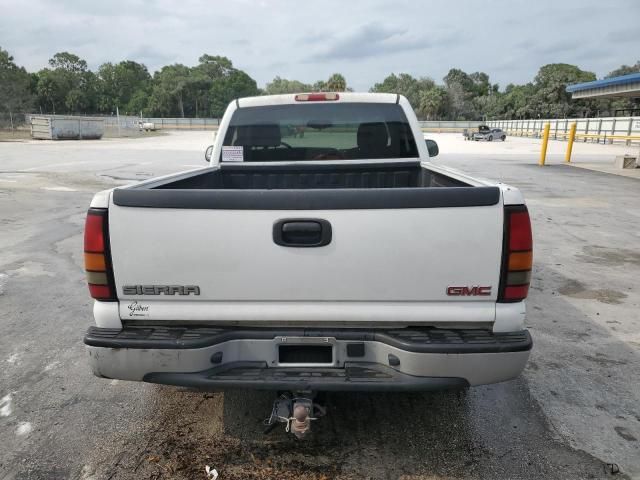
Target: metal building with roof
[623,86]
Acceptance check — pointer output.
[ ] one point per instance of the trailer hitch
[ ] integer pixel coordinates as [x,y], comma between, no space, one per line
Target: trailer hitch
[296,410]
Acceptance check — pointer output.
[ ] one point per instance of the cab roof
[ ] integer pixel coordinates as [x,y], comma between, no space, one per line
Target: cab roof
[343,97]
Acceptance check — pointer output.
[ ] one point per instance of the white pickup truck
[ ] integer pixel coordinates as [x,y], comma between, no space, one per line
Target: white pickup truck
[321,250]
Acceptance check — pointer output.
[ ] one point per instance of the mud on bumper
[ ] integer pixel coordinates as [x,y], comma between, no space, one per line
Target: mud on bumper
[412,359]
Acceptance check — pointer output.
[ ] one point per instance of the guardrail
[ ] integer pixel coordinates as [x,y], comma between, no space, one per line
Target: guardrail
[571,137]
[605,137]
[597,130]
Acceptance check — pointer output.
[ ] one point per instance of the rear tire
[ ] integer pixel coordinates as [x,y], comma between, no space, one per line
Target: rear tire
[490,138]
[503,138]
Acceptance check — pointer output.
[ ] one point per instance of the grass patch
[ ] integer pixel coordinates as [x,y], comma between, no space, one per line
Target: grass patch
[131,133]
[7,135]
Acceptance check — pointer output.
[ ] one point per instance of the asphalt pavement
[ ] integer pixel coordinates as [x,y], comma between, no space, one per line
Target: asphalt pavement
[573,413]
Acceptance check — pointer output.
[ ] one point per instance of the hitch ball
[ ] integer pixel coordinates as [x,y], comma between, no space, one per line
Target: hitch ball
[301,422]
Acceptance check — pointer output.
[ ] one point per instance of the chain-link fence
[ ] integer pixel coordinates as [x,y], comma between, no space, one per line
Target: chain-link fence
[153,123]
[447,126]
[605,130]
[13,120]
[14,126]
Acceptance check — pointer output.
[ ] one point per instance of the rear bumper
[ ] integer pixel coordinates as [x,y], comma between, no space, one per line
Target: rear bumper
[361,360]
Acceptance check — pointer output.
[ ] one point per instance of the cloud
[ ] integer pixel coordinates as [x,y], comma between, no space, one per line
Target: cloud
[557,47]
[149,55]
[625,35]
[365,40]
[372,39]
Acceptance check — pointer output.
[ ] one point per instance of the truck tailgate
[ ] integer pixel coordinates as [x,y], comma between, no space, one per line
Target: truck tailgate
[382,265]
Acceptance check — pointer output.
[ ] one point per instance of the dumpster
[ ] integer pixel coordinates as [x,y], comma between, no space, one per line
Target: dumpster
[61,127]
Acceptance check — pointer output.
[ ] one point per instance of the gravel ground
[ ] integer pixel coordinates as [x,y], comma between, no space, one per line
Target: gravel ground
[575,409]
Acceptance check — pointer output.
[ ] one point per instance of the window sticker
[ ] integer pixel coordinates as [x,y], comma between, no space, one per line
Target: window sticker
[232,154]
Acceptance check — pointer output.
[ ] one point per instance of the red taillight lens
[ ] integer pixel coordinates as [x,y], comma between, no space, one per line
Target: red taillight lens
[94,233]
[100,292]
[519,231]
[516,293]
[517,256]
[96,256]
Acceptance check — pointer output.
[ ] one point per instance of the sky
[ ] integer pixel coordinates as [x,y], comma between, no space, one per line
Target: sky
[308,41]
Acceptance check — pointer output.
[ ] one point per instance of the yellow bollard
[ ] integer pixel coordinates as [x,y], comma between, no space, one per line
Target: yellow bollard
[572,136]
[545,141]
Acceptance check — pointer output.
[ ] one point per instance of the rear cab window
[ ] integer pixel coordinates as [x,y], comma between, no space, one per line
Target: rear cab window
[320,131]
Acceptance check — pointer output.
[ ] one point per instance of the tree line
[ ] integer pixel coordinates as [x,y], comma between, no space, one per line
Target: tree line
[472,96]
[68,86]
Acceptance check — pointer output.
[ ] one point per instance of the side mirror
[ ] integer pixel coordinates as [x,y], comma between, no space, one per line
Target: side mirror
[209,151]
[432,147]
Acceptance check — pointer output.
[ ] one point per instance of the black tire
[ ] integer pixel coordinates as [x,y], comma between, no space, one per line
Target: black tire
[503,138]
[490,138]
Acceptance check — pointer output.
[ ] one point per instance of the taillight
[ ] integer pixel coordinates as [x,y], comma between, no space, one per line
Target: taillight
[517,254]
[97,261]
[317,97]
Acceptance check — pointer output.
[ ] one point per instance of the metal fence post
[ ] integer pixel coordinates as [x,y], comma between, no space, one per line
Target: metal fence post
[586,131]
[613,129]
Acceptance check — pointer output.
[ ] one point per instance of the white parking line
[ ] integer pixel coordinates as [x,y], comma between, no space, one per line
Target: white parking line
[59,189]
[24,428]
[5,406]
[53,165]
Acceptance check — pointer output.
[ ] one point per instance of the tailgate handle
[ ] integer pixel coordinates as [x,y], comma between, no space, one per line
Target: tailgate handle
[302,232]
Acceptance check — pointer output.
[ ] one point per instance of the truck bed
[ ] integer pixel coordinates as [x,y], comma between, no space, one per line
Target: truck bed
[368,175]
[307,187]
